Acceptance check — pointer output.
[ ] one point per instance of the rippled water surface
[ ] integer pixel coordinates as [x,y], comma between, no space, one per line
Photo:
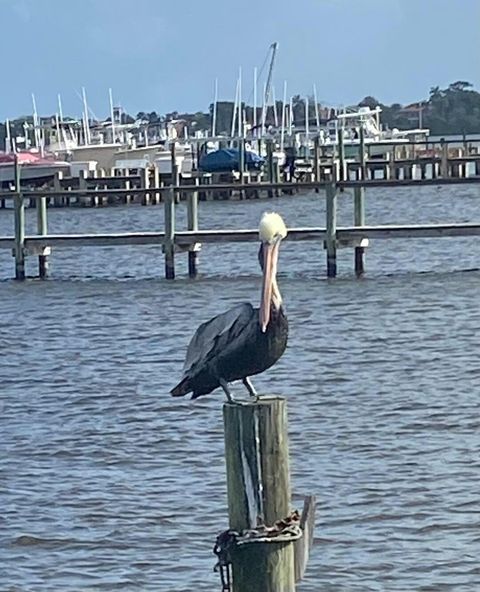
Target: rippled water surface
[106,483]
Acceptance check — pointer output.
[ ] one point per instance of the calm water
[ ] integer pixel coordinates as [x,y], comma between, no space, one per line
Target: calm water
[106,483]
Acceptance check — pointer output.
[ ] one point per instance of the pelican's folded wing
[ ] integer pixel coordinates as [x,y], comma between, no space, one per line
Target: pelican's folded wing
[214,335]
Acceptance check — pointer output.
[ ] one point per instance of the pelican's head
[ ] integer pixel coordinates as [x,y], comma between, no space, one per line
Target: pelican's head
[272,230]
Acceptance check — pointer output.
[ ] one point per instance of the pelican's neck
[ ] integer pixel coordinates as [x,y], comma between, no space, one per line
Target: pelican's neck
[276,296]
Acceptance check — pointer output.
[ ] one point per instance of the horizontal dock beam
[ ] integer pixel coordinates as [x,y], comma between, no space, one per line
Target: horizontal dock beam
[390,183]
[188,238]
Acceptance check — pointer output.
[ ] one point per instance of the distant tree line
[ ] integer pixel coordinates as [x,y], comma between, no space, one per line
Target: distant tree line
[453,110]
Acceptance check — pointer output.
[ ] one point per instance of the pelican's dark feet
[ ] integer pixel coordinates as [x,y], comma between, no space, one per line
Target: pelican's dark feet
[226,390]
[250,388]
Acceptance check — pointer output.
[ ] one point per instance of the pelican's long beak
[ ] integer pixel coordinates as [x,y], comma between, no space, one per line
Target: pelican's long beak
[270,258]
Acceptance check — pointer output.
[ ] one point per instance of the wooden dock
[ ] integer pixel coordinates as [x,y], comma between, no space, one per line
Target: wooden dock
[426,161]
[174,242]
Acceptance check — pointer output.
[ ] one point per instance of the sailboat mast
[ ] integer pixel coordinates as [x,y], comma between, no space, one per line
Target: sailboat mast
[85,115]
[275,113]
[255,100]
[232,131]
[284,107]
[36,134]
[60,110]
[214,112]
[240,109]
[307,128]
[290,119]
[8,139]
[317,115]
[110,96]
[57,127]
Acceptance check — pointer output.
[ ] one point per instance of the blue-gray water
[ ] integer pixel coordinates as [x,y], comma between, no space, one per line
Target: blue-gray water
[106,483]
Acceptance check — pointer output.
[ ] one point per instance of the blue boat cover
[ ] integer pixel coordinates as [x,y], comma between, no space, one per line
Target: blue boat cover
[228,159]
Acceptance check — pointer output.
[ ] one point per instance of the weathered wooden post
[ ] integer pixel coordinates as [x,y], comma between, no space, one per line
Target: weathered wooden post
[145,184]
[169,241]
[444,159]
[258,487]
[391,167]
[331,229]
[128,185]
[241,165]
[175,169]
[359,220]
[82,186]
[157,196]
[19,225]
[57,187]
[42,230]
[192,224]
[269,147]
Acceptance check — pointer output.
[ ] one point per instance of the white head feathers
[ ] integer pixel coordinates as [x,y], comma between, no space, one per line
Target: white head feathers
[271,227]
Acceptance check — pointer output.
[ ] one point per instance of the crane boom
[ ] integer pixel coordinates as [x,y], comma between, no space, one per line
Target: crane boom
[268,85]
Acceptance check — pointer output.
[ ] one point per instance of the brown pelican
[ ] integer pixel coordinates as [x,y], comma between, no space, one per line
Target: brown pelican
[244,340]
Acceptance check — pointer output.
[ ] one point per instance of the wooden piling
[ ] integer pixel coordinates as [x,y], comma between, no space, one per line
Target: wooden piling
[241,165]
[157,196]
[145,184]
[82,186]
[175,170]
[331,229]
[444,159]
[169,241]
[270,174]
[192,224]
[42,230]
[359,220]
[258,487]
[128,185]
[19,225]
[57,187]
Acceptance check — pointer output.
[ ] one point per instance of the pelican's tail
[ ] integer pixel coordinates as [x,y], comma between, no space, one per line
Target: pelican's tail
[182,388]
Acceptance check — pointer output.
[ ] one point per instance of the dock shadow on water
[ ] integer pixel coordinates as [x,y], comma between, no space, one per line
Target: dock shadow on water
[108,483]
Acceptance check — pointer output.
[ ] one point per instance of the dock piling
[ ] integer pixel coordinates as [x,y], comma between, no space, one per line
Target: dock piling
[359,220]
[331,229]
[169,241]
[192,224]
[42,230]
[258,488]
[270,173]
[444,159]
[145,184]
[19,225]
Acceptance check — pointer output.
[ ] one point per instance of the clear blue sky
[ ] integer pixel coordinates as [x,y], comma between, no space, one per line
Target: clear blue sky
[163,55]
